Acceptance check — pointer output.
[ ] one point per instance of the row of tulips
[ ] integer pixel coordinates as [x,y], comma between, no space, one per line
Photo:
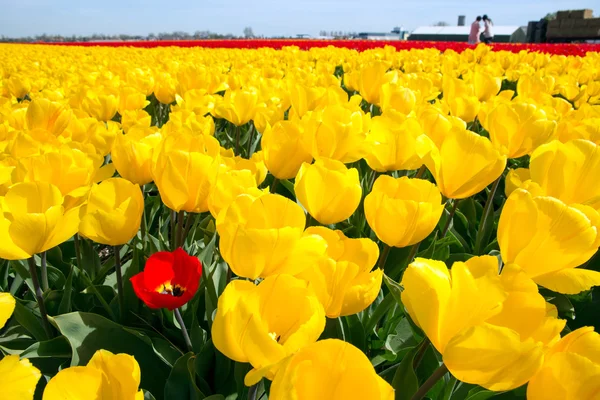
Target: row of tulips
[211,223]
[360,45]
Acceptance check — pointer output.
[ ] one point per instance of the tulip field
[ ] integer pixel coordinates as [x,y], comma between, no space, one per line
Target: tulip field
[291,222]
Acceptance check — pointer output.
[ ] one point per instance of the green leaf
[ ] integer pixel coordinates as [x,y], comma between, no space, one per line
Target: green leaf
[480,393]
[563,305]
[239,372]
[181,382]
[289,186]
[54,348]
[65,303]
[403,334]
[355,331]
[215,397]
[90,260]
[405,380]
[395,288]
[88,333]
[380,311]
[25,316]
[148,395]
[23,272]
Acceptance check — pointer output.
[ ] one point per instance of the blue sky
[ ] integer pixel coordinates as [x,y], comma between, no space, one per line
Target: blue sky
[266,17]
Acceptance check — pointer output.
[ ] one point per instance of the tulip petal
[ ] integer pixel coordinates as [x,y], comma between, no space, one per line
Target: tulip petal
[75,383]
[569,281]
[18,378]
[493,357]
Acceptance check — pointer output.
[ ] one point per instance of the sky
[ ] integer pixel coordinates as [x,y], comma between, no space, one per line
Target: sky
[266,17]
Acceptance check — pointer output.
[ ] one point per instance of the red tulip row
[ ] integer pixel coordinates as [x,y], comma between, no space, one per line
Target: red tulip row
[360,45]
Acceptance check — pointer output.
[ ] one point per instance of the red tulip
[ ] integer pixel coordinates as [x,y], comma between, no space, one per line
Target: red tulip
[169,279]
[360,45]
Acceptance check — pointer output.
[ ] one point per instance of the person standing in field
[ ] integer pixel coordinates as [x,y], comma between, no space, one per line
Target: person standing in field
[488,34]
[475,31]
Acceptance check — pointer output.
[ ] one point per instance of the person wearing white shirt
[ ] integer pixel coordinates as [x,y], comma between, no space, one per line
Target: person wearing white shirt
[488,34]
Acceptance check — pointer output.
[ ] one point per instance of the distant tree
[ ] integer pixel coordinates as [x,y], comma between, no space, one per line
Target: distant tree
[248,33]
[441,23]
[550,16]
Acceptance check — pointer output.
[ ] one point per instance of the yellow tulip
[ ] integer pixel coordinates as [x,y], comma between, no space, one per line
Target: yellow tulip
[337,132]
[342,279]
[459,97]
[197,123]
[34,220]
[435,124]
[395,97]
[132,118]
[183,169]
[549,239]
[492,330]
[329,369]
[369,79]
[328,190]
[100,104]
[263,236]
[392,144]
[113,212]
[106,376]
[403,211]
[518,129]
[571,369]
[305,98]
[485,85]
[229,183]
[131,99]
[267,115]
[569,171]
[18,86]
[165,88]
[132,153]
[7,306]
[237,106]
[283,152]
[48,115]
[256,164]
[515,179]
[254,324]
[71,170]
[18,378]
[463,164]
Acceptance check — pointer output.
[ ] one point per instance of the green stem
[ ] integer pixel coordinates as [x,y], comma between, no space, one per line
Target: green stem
[486,213]
[103,303]
[77,250]
[179,233]
[420,172]
[429,383]
[39,297]
[250,139]
[188,226]
[120,293]
[144,226]
[45,285]
[173,241]
[450,216]
[421,352]
[186,336]
[237,140]
[383,256]
[413,252]
[274,185]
